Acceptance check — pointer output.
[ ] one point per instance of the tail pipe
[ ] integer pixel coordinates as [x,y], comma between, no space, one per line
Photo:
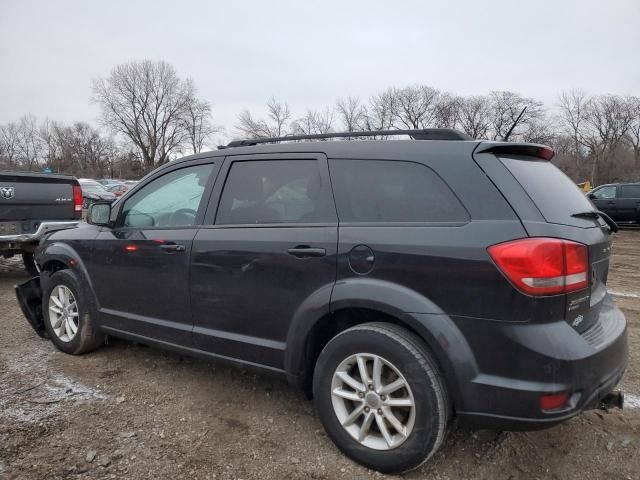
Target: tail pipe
[614,399]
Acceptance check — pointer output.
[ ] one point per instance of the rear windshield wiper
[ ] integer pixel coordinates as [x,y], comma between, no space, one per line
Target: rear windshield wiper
[613,226]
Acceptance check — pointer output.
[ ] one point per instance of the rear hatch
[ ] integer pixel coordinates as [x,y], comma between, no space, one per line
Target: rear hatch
[27,199]
[560,210]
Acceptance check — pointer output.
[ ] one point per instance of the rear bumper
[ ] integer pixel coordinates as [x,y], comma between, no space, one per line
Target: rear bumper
[42,230]
[518,363]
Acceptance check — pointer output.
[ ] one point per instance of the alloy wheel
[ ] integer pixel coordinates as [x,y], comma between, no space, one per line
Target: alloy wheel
[373,401]
[63,313]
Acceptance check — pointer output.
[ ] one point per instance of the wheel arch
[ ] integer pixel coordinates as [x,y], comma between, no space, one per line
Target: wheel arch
[61,256]
[374,301]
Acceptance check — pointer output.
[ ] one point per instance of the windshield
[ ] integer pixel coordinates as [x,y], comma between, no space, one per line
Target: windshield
[555,194]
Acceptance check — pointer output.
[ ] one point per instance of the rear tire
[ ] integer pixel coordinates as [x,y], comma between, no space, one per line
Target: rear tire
[67,318]
[397,441]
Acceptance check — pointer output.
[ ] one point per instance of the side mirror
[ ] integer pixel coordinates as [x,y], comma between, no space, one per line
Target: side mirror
[99,214]
[591,196]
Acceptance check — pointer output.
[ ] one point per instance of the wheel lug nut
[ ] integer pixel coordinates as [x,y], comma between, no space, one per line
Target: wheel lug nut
[366,409]
[361,395]
[379,411]
[383,398]
[370,387]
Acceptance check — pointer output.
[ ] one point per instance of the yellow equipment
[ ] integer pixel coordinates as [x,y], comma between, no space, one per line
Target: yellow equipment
[585,186]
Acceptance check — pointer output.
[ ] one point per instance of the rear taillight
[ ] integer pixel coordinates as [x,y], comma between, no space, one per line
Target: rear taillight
[554,401]
[543,266]
[545,153]
[77,199]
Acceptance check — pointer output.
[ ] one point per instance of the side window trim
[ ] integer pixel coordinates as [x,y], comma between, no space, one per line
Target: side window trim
[215,162]
[216,193]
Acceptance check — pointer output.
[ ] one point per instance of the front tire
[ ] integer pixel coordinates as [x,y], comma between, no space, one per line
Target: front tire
[381,397]
[67,318]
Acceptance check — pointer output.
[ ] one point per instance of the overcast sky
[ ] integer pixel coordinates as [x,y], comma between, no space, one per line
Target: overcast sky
[311,53]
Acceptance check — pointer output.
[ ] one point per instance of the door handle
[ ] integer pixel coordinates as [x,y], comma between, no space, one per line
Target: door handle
[611,202]
[172,247]
[303,251]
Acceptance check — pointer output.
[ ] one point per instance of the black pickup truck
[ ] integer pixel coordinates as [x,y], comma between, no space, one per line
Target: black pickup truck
[33,204]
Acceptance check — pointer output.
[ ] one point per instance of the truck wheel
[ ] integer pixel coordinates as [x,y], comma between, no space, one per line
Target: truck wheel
[67,319]
[29,264]
[381,397]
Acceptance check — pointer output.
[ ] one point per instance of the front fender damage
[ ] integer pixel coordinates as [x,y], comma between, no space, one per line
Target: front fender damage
[29,296]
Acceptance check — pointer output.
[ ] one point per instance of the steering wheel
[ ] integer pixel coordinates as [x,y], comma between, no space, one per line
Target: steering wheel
[185,212]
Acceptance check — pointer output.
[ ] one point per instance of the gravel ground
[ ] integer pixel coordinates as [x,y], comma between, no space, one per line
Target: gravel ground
[128,411]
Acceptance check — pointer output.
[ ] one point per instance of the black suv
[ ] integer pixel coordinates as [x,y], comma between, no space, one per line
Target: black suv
[621,201]
[400,283]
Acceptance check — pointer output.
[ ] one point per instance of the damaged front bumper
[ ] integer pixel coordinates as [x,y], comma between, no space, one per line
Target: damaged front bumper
[29,296]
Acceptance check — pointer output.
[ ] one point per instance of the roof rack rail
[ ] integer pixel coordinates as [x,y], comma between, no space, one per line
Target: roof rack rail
[424,134]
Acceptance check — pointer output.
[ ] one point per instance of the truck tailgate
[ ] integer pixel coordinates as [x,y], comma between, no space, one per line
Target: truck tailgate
[28,197]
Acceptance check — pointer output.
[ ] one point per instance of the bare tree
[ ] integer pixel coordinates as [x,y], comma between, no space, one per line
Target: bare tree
[412,107]
[314,123]
[197,120]
[352,113]
[9,144]
[146,102]
[609,119]
[473,116]
[279,117]
[29,144]
[446,111]
[573,115]
[380,114]
[634,128]
[505,109]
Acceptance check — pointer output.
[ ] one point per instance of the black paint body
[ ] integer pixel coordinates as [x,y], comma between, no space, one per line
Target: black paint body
[237,292]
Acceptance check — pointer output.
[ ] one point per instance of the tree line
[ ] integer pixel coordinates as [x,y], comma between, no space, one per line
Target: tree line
[150,115]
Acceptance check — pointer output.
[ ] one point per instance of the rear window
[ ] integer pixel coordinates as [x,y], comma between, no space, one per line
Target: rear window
[630,191]
[392,191]
[555,194]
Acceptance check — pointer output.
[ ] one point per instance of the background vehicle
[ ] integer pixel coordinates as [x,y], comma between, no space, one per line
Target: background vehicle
[118,189]
[109,182]
[93,191]
[399,283]
[31,205]
[621,201]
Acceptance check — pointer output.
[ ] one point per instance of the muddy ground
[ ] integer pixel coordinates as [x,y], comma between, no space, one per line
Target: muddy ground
[127,411]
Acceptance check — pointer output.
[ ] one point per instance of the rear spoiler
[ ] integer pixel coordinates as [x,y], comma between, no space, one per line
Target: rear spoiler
[505,148]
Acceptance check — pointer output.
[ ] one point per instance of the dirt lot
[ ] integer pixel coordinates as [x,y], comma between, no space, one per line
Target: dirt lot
[127,411]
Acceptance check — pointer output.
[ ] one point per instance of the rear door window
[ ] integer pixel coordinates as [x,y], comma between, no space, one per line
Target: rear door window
[555,194]
[630,191]
[274,191]
[376,191]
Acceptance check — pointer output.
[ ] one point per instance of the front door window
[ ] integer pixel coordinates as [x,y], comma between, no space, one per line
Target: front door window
[171,200]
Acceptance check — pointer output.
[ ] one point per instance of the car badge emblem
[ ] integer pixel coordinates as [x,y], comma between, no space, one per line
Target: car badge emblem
[7,192]
[577,321]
